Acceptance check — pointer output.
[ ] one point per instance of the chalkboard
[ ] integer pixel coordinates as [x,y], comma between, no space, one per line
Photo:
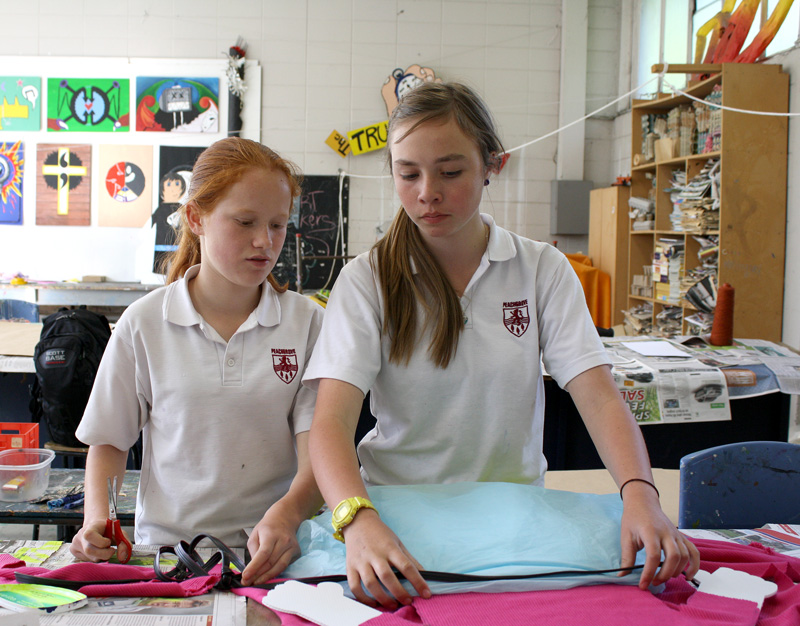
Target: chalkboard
[316,217]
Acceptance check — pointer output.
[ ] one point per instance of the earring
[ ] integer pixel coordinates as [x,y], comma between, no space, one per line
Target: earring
[486,183]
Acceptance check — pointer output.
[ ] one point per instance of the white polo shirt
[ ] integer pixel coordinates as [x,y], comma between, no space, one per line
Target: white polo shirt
[482,418]
[218,420]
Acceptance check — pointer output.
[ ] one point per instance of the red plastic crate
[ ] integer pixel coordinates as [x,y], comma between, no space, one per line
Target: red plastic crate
[19,435]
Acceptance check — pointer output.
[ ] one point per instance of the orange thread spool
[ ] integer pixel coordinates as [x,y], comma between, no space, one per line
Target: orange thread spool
[722,327]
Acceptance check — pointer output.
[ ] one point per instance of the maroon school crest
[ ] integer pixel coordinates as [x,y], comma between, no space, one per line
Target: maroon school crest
[284,362]
[515,317]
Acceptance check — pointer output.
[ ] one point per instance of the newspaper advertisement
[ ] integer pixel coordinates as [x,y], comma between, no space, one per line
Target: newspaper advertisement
[667,384]
[212,609]
[34,553]
[784,363]
[752,367]
[783,538]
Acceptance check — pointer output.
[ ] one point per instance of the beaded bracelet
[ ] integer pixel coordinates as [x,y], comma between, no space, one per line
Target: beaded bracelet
[638,480]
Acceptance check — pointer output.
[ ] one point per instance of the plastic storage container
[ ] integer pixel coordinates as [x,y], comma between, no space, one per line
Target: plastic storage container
[19,435]
[24,473]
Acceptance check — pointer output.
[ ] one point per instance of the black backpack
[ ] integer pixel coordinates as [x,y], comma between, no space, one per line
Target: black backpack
[66,358]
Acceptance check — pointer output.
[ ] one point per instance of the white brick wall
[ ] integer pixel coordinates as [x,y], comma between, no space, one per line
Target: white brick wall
[324,62]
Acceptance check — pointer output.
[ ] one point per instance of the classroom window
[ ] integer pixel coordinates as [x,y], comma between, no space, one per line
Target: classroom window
[663,36]
[785,39]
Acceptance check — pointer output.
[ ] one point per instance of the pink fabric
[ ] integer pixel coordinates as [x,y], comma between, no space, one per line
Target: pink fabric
[610,605]
[111,571]
[600,605]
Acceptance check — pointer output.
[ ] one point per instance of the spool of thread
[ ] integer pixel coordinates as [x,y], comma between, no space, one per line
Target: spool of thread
[722,327]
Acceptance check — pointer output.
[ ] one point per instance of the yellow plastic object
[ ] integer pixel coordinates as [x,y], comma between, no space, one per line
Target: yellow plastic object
[345,512]
[766,34]
[18,280]
[716,23]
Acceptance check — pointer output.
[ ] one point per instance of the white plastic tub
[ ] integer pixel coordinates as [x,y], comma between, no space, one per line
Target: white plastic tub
[24,473]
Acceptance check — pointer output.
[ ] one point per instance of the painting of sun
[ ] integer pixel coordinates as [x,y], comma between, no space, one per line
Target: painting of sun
[11,168]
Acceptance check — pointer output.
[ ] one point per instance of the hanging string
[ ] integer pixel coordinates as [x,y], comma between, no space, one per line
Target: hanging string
[585,117]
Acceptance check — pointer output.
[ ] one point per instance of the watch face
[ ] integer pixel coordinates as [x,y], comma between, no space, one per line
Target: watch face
[342,511]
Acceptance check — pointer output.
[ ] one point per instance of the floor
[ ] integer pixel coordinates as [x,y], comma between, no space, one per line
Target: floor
[25,531]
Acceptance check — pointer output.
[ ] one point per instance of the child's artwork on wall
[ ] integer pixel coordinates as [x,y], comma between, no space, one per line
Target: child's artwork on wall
[19,102]
[63,185]
[189,105]
[93,104]
[175,174]
[401,81]
[12,164]
[126,197]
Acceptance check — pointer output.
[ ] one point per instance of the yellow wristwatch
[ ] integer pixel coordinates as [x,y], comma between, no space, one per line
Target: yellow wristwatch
[344,513]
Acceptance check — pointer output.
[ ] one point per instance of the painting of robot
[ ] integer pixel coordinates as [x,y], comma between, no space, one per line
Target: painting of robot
[125,198]
[63,185]
[19,102]
[184,105]
[88,104]
[12,164]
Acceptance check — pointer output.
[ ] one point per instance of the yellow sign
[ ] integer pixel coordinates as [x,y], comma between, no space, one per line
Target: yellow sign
[338,143]
[368,138]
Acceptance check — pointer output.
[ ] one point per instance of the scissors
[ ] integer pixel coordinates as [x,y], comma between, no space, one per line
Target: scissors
[113,528]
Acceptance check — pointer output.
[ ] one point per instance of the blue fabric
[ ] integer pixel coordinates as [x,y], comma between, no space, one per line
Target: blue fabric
[487,529]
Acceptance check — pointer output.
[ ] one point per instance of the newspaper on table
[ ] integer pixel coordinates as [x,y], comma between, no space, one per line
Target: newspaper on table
[688,380]
[667,387]
[783,538]
[212,609]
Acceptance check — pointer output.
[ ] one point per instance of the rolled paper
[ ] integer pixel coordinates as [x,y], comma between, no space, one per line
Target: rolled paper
[722,327]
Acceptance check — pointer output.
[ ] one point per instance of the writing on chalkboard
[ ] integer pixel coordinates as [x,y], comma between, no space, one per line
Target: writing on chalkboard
[320,218]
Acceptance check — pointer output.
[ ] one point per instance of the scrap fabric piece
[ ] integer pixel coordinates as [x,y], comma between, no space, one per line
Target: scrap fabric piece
[147,587]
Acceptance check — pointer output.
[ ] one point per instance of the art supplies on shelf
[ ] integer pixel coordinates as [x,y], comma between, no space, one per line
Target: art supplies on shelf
[731,218]
[668,267]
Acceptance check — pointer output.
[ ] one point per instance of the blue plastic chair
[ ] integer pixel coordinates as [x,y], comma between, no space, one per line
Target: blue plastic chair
[19,310]
[740,485]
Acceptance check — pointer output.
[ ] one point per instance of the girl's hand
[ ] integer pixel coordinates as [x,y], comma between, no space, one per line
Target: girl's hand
[372,551]
[273,545]
[89,544]
[644,525]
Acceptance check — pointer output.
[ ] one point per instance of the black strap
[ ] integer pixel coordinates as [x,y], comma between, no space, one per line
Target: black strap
[451,577]
[191,564]
[75,585]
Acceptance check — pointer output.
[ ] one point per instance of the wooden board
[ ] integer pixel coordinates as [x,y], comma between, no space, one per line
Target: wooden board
[18,338]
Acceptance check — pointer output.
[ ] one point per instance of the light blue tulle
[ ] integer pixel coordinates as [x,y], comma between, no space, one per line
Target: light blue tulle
[487,529]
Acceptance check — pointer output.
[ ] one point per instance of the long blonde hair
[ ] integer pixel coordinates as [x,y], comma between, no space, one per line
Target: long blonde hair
[217,168]
[401,288]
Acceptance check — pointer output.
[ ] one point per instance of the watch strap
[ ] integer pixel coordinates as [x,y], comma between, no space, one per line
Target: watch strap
[355,504]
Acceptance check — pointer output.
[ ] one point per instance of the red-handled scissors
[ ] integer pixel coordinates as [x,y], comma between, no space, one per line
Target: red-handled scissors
[113,529]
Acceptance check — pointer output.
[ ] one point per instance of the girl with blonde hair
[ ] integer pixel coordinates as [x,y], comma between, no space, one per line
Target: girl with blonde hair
[445,321]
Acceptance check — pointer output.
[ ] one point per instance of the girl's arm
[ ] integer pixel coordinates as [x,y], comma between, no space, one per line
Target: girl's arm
[273,543]
[621,447]
[102,462]
[372,548]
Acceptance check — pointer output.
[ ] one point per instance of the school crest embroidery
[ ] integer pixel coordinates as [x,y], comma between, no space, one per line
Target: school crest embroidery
[284,362]
[515,317]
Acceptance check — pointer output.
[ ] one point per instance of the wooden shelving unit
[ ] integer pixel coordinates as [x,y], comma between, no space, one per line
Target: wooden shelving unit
[752,224]
[608,242]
